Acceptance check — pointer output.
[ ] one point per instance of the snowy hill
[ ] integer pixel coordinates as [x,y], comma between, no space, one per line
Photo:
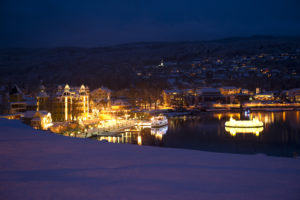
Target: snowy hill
[42,165]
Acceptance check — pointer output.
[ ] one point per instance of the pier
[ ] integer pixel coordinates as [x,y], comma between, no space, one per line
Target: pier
[112,129]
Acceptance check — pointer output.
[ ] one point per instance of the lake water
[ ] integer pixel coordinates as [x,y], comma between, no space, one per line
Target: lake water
[280,135]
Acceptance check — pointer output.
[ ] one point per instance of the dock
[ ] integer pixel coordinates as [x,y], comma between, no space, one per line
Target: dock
[113,130]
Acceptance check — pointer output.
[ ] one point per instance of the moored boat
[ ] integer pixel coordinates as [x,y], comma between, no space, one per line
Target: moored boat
[244,123]
[159,121]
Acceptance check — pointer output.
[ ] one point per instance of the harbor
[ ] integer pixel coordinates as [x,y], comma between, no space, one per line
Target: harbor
[266,132]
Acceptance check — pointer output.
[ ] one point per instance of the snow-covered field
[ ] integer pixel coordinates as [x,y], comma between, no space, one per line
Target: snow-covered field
[42,165]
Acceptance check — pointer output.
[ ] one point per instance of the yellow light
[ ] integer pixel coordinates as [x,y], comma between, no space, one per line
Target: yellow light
[115,107]
[66,108]
[244,123]
[233,131]
[266,119]
[139,140]
[219,116]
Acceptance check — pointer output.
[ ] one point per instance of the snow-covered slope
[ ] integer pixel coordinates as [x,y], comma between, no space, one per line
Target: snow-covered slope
[42,165]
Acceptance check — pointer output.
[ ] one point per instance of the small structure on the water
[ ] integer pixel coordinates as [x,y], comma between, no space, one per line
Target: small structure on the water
[244,126]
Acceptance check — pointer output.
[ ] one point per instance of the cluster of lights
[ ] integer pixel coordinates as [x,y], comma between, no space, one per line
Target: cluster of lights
[159,132]
[244,123]
[46,122]
[253,126]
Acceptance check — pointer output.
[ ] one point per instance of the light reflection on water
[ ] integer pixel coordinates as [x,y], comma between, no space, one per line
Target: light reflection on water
[234,130]
[159,132]
[279,136]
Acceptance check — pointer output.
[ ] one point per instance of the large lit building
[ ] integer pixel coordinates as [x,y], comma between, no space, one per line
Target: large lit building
[101,98]
[265,96]
[67,104]
[42,99]
[209,95]
[229,90]
[173,98]
[38,119]
[230,93]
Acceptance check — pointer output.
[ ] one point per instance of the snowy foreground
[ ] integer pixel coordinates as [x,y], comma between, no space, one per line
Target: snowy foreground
[42,165]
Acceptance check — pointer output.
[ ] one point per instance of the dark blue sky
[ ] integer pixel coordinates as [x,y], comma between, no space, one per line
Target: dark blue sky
[52,23]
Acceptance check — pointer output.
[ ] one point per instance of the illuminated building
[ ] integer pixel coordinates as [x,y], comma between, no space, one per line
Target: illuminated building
[294,95]
[178,98]
[173,98]
[257,91]
[120,105]
[245,91]
[209,95]
[38,119]
[101,98]
[42,99]
[67,104]
[16,101]
[229,90]
[266,96]
[230,93]
[41,120]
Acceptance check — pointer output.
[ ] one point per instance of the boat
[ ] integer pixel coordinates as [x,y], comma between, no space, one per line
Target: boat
[159,121]
[244,126]
[244,123]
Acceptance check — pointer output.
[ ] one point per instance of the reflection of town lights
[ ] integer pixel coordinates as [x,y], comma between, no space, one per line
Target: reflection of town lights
[139,140]
[159,132]
[266,119]
[234,130]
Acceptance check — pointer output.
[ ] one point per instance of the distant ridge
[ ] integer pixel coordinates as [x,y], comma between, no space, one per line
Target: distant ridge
[146,43]
[256,37]
[221,40]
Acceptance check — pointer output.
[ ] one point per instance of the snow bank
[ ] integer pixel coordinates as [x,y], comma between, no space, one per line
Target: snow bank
[42,165]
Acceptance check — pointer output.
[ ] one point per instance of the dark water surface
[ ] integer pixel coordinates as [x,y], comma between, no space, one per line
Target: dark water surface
[280,135]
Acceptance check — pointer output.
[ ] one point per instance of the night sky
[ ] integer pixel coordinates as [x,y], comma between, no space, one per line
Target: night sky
[52,23]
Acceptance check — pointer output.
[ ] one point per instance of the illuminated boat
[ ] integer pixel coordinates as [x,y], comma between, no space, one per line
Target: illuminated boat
[159,121]
[244,123]
[253,126]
